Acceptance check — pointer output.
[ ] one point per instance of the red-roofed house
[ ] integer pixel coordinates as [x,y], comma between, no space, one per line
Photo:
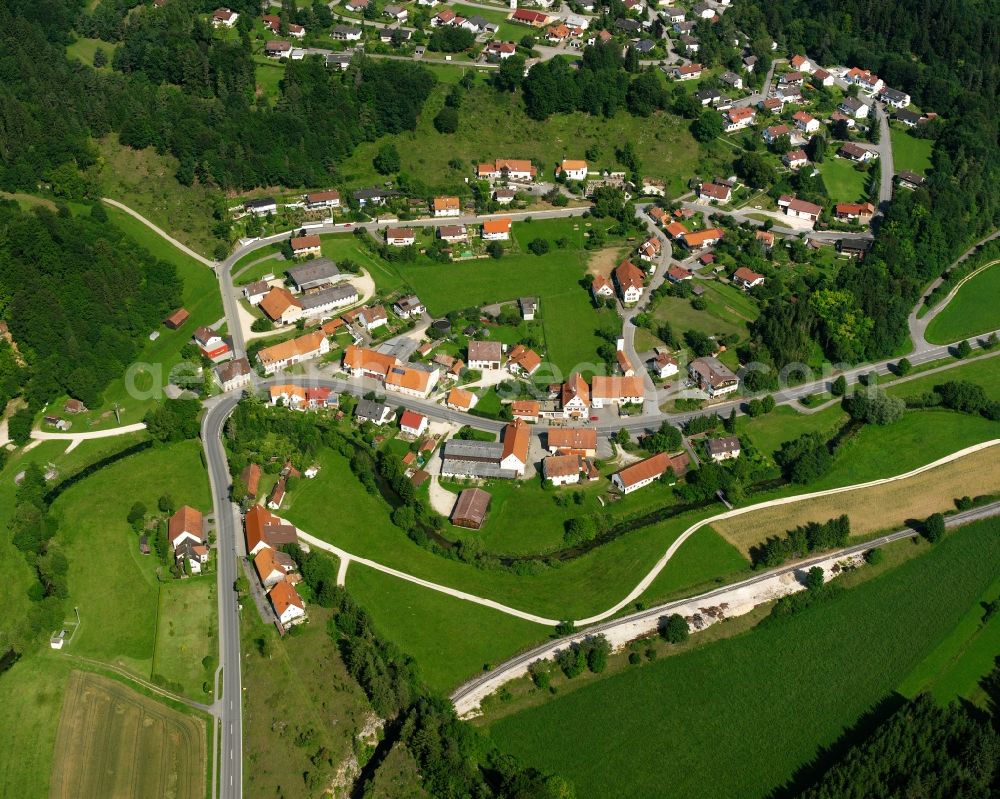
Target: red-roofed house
[629,279]
[805,122]
[747,279]
[854,212]
[601,287]
[799,209]
[738,118]
[413,423]
[287,604]
[714,192]
[575,396]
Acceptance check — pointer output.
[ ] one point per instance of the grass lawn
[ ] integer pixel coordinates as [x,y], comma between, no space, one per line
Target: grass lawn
[495,126]
[104,556]
[83,50]
[426,625]
[144,181]
[715,320]
[186,634]
[784,423]
[985,372]
[268,75]
[706,558]
[843,182]
[910,154]
[202,300]
[883,507]
[266,266]
[723,703]
[973,310]
[298,699]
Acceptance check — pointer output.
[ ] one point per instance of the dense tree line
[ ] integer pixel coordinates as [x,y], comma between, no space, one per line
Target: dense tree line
[958,395]
[79,297]
[180,90]
[800,541]
[922,750]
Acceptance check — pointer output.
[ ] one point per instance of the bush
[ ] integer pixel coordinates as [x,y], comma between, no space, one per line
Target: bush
[839,387]
[675,629]
[446,120]
[539,246]
[262,325]
[873,557]
[19,426]
[963,350]
[933,528]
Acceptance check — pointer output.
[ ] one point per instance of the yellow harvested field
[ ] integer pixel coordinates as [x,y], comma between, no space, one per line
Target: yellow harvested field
[876,508]
[114,742]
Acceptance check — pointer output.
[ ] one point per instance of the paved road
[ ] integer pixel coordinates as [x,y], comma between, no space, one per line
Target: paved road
[467,697]
[230,702]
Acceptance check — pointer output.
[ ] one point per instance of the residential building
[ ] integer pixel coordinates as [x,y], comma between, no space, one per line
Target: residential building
[766,238]
[303,246]
[852,152]
[723,449]
[400,236]
[910,180]
[485,355]
[471,508]
[224,18]
[371,411]
[713,377]
[805,122]
[714,192]
[453,233]
[535,19]
[461,400]
[738,119]
[854,108]
[601,288]
[320,272]
[408,306]
[518,171]
[281,307]
[629,279]
[496,229]
[234,375]
[523,361]
[526,410]
[572,170]
[500,51]
[323,199]
[854,212]
[288,605]
[641,474]
[362,362]
[775,132]
[909,118]
[446,206]
[663,365]
[412,380]
[373,317]
[801,63]
[867,80]
[675,229]
[795,159]
[799,209]
[687,72]
[823,78]
[561,470]
[412,423]
[528,307]
[357,5]
[615,390]
[263,529]
[572,440]
[731,79]
[186,525]
[256,291]
[346,33]
[504,196]
[212,345]
[261,207]
[575,396]
[650,249]
[747,279]
[516,439]
[398,13]
[276,49]
[288,353]
[702,238]
[273,566]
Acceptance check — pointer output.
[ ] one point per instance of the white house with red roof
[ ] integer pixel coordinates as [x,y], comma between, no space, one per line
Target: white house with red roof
[212,345]
[747,279]
[412,423]
[224,18]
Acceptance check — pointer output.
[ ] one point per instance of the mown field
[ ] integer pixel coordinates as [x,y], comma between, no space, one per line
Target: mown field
[982,371]
[974,310]
[723,703]
[910,154]
[843,182]
[113,741]
[495,126]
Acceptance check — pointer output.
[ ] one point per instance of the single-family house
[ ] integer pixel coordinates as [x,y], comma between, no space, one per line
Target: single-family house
[731,79]
[276,49]
[854,212]
[398,13]
[303,246]
[823,78]
[357,5]
[575,396]
[186,525]
[273,566]
[775,132]
[909,118]
[453,233]
[713,377]
[346,33]
[687,72]
[288,605]
[663,365]
[415,381]
[371,411]
[234,375]
[867,80]
[700,239]
[676,274]
[408,306]
[650,249]
[446,206]
[801,63]
[512,169]
[288,353]
[323,199]
[362,362]
[526,410]
[723,449]
[461,400]
[629,279]
[212,345]
[738,119]
[910,180]
[795,159]
[854,108]
[528,306]
[572,170]
[500,51]
[523,361]
[400,236]
[799,209]
[601,288]
[496,229]
[561,470]
[504,196]
[485,356]
[616,390]
[703,11]
[373,317]
[805,122]
[714,192]
[852,152]
[747,279]
[261,207]
[224,18]
[765,237]
[412,423]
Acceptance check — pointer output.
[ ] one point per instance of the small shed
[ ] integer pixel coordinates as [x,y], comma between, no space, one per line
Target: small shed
[470,509]
[144,544]
[176,319]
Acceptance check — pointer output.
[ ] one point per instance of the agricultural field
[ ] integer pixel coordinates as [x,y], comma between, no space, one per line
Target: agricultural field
[115,742]
[972,311]
[495,126]
[709,706]
[843,182]
[298,701]
[910,154]
[151,370]
[982,371]
[883,507]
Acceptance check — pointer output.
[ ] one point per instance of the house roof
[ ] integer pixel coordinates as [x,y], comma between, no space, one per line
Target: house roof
[574,387]
[496,225]
[296,347]
[266,565]
[452,231]
[447,204]
[700,237]
[746,275]
[524,15]
[251,478]
[525,408]
[644,469]
[720,446]
[689,69]
[715,191]
[177,318]
[561,465]
[739,114]
[371,361]
[263,526]
[600,283]
[370,409]
[409,377]
[713,371]
[323,196]
[678,273]
[471,505]
[485,351]
[461,398]
[314,271]
[412,420]
[516,439]
[527,359]
[803,116]
[305,242]
[185,520]
[851,150]
[284,595]
[854,209]
[277,301]
[575,438]
[675,229]
[570,165]
[796,155]
[628,275]
[399,233]
[604,387]
[801,206]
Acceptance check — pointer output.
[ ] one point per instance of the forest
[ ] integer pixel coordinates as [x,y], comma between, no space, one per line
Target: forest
[80,297]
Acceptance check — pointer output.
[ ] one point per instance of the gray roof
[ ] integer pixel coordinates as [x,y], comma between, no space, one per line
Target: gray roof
[369,409]
[473,450]
[903,115]
[645,45]
[719,446]
[894,94]
[345,30]
[338,58]
[321,270]
[852,103]
[335,294]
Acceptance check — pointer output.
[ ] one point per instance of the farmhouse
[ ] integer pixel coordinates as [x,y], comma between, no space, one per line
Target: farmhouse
[713,377]
[273,566]
[575,397]
[316,273]
[572,440]
[629,280]
[289,353]
[288,605]
[723,449]
[496,229]
[322,303]
[641,474]
[614,390]
[800,209]
[362,362]
[526,410]
[412,380]
[747,279]
[516,439]
[506,459]
[563,470]
[485,355]
[519,171]
[234,375]
[471,508]
[185,526]
[281,307]
[446,206]
[263,529]
[306,245]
